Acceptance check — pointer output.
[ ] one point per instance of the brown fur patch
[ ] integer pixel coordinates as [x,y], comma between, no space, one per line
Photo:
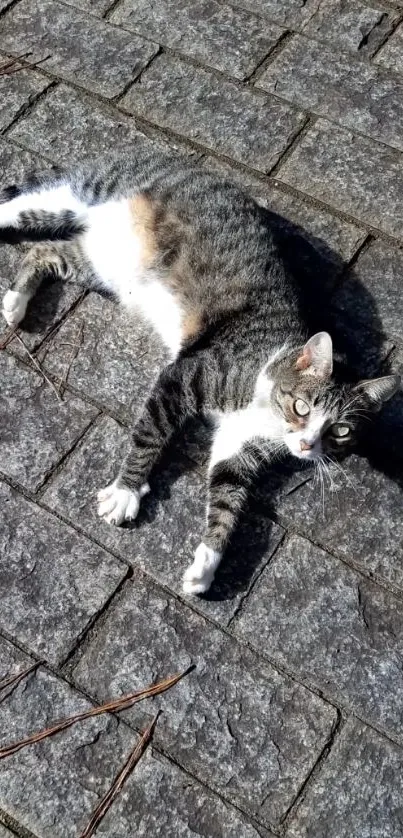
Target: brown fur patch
[191,325]
[143,217]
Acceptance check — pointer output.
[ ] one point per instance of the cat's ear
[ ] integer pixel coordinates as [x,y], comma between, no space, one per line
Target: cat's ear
[379,390]
[316,357]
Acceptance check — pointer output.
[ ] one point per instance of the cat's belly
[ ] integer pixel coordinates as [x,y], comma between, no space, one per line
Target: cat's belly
[117,256]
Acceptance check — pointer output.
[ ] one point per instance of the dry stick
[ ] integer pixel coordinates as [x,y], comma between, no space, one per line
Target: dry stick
[115,705]
[15,679]
[117,785]
[9,68]
[7,336]
[38,366]
[73,356]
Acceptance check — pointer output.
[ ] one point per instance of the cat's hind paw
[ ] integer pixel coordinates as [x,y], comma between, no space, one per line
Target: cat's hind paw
[199,576]
[117,503]
[14,307]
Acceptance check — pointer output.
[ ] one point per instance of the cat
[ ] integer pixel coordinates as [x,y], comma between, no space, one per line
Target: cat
[199,259]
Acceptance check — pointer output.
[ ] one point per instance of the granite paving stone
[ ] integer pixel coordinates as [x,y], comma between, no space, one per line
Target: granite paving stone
[117,360]
[17,91]
[335,628]
[235,723]
[52,788]
[347,90]
[37,429]
[358,792]
[352,26]
[48,128]
[5,833]
[338,167]
[339,236]
[12,662]
[53,580]
[171,521]
[391,54]
[288,12]
[212,32]
[217,113]
[374,533]
[98,8]
[378,271]
[98,56]
[162,800]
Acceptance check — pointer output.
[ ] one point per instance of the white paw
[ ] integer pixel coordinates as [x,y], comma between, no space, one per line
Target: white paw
[14,307]
[200,574]
[116,504]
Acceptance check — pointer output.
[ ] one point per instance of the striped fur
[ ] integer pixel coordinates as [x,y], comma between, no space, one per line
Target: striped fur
[202,261]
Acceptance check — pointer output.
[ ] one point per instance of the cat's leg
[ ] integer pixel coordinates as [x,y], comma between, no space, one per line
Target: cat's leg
[42,260]
[229,482]
[174,398]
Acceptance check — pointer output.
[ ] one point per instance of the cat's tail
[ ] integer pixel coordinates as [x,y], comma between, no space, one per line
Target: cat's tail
[46,212]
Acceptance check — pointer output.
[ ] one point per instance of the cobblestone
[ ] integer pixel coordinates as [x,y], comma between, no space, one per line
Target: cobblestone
[346,90]
[17,91]
[54,581]
[194,103]
[337,629]
[97,130]
[359,791]
[391,55]
[104,59]
[355,27]
[37,429]
[211,712]
[338,167]
[207,30]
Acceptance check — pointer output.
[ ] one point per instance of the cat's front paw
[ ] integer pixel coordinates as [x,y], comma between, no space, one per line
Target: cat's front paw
[117,503]
[200,574]
[14,307]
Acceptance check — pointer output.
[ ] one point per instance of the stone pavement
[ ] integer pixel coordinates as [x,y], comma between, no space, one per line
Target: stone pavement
[291,724]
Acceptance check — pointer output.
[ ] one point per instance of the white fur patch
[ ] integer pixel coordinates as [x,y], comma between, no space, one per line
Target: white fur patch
[310,434]
[55,199]
[117,504]
[241,426]
[115,252]
[199,576]
[14,306]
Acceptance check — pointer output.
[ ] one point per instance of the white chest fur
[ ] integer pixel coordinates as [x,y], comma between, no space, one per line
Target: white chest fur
[237,428]
[116,255]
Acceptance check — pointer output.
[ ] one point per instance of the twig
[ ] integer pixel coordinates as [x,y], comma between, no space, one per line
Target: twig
[15,679]
[7,336]
[119,781]
[9,67]
[38,366]
[116,704]
[73,356]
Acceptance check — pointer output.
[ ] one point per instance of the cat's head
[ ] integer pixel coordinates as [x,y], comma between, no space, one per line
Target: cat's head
[314,413]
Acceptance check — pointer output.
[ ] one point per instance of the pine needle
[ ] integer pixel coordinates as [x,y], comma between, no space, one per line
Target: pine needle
[38,367]
[73,355]
[15,679]
[7,335]
[115,705]
[119,781]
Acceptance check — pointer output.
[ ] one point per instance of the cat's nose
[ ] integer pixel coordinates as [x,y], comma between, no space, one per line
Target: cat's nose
[305,446]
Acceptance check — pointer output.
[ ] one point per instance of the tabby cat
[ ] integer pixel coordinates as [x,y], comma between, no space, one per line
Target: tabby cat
[199,259]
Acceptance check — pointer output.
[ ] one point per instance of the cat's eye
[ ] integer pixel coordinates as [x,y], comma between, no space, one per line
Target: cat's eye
[301,408]
[341,431]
